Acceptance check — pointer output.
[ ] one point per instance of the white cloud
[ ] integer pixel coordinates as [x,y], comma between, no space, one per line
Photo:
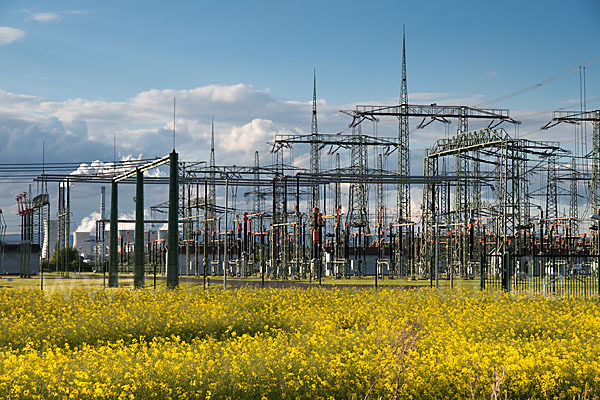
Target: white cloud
[9,35]
[12,98]
[45,17]
[249,137]
[81,130]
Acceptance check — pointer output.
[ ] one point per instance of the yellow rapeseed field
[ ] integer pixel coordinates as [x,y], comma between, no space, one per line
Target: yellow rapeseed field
[294,343]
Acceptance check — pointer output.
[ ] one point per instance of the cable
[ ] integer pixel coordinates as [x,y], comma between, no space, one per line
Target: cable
[537,85]
[535,114]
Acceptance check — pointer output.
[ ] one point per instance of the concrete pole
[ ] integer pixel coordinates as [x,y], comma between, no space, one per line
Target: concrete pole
[138,271]
[113,271]
[173,224]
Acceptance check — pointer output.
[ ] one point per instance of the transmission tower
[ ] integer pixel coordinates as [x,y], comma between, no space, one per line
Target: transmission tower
[337,186]
[579,117]
[461,200]
[595,189]
[379,192]
[357,213]
[403,198]
[552,190]
[403,206]
[211,189]
[596,162]
[573,206]
[314,147]
[256,201]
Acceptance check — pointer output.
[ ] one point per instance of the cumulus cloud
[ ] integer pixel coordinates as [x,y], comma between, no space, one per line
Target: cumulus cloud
[45,17]
[9,35]
[24,137]
[144,123]
[249,137]
[82,130]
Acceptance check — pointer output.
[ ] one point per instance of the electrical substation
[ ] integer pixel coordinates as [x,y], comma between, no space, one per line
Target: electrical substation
[480,217]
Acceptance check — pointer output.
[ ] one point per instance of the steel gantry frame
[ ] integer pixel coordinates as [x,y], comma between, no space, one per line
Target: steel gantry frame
[472,228]
[509,178]
[429,114]
[286,236]
[582,117]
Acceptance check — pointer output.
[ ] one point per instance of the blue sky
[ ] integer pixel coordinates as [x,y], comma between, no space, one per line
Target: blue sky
[115,49]
[76,72]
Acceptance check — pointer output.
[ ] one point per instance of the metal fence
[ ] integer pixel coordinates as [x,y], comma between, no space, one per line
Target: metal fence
[571,275]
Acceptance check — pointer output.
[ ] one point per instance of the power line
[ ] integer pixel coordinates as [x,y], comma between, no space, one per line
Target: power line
[537,113]
[537,85]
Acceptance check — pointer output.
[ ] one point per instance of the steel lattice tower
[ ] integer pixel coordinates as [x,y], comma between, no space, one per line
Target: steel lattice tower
[461,199]
[403,201]
[595,171]
[256,203]
[573,204]
[379,192]
[337,196]
[577,117]
[211,189]
[357,212]
[403,197]
[552,190]
[314,147]
[596,162]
